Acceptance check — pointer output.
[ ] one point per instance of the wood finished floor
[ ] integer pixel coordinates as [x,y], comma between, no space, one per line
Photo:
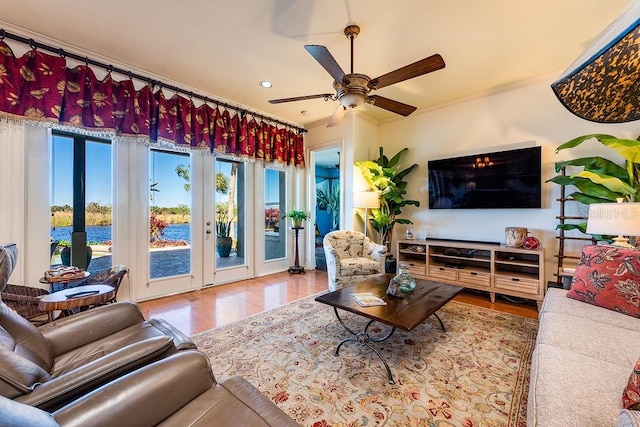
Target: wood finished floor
[204,309]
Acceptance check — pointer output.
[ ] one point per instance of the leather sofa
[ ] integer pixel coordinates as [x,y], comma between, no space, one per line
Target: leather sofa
[179,390]
[49,365]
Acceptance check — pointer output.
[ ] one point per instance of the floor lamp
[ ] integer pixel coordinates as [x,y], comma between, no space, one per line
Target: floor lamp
[366,200]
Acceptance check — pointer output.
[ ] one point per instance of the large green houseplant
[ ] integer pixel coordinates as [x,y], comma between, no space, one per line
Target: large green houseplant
[332,203]
[601,180]
[383,176]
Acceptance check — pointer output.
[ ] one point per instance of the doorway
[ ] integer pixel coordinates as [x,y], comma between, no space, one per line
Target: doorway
[326,166]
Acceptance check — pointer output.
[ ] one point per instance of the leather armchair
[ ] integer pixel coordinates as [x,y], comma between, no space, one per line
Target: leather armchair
[187,394]
[352,257]
[50,365]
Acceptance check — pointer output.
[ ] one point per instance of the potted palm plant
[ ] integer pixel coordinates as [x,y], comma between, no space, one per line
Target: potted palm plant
[223,229]
[297,216]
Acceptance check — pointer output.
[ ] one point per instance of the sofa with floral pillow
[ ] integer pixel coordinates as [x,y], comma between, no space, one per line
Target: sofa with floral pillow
[585,369]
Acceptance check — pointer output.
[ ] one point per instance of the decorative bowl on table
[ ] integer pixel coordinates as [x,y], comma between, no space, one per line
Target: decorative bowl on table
[64,274]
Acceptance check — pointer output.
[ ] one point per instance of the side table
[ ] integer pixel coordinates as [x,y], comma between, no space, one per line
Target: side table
[296,268]
[78,298]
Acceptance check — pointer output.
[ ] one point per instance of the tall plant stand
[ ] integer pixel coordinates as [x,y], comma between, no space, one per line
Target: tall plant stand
[296,268]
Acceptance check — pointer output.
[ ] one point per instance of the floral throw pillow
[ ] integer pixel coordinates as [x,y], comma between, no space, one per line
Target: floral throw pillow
[631,394]
[609,277]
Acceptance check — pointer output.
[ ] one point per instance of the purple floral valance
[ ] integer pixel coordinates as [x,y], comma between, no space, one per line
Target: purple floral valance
[40,87]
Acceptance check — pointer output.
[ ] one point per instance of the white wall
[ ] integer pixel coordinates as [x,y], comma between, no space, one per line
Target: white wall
[524,116]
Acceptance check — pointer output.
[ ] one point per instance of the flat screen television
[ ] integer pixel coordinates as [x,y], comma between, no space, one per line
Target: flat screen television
[502,180]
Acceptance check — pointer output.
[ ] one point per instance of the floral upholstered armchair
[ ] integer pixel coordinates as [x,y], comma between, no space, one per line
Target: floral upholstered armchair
[352,257]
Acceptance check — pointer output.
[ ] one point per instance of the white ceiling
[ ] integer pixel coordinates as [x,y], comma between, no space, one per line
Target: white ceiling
[223,48]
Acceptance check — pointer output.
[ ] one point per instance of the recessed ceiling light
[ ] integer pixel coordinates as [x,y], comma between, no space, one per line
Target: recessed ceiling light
[266,84]
[304,112]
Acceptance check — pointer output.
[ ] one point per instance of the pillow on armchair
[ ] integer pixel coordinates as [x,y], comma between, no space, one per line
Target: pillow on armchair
[609,277]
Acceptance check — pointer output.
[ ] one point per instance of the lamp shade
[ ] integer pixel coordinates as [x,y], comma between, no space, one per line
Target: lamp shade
[602,85]
[614,219]
[366,199]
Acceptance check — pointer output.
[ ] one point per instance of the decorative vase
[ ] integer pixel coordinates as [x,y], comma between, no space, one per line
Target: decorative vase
[402,283]
[223,246]
[514,236]
[408,233]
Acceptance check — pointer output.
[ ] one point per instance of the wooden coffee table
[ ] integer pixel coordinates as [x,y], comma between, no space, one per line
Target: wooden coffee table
[399,313]
[77,298]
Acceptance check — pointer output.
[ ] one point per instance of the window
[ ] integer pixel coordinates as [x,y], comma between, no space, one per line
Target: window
[80,199]
[274,209]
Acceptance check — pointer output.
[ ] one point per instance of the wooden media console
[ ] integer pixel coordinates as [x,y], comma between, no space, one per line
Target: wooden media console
[494,268]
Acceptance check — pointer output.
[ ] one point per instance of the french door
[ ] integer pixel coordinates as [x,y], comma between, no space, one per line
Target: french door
[228,206]
[274,241]
[199,221]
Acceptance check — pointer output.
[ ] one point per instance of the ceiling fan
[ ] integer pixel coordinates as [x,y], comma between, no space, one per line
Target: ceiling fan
[353,89]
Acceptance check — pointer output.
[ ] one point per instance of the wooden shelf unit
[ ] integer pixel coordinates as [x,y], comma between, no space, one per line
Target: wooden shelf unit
[562,254]
[497,269]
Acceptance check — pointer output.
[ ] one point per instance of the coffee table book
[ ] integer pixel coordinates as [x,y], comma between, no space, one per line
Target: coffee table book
[367,299]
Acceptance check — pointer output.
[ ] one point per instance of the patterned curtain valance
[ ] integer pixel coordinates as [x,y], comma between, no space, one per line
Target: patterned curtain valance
[39,87]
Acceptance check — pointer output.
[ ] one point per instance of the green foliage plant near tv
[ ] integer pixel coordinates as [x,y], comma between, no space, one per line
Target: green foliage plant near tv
[383,176]
[601,180]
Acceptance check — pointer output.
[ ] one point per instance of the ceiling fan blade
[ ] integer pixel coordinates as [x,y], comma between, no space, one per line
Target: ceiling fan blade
[324,57]
[337,116]
[391,105]
[424,66]
[301,98]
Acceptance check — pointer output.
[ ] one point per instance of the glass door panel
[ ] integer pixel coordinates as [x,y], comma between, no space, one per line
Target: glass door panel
[274,208]
[230,214]
[81,176]
[169,214]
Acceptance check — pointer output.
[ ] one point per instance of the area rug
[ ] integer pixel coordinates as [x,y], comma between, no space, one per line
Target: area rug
[474,374]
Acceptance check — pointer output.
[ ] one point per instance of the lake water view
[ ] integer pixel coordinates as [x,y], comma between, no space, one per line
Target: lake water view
[102,233]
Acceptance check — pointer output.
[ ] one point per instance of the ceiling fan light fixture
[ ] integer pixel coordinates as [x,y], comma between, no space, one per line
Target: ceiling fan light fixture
[352,100]
[352,90]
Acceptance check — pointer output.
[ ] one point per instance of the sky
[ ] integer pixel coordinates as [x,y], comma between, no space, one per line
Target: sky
[98,175]
[162,166]
[162,169]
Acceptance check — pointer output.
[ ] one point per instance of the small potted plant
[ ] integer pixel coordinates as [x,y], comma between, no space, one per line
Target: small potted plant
[297,216]
[224,241]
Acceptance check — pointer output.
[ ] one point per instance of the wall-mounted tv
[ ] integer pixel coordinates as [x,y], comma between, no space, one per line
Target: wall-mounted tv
[501,180]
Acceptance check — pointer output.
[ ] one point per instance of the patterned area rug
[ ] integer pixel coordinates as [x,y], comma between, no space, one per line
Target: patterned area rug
[474,374]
